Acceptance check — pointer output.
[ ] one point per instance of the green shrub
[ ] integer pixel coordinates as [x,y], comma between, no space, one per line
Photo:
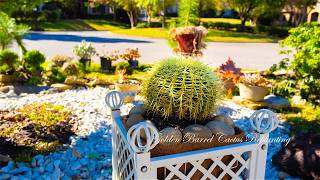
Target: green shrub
[144,67]
[124,65]
[149,25]
[303,42]
[32,62]
[9,62]
[182,88]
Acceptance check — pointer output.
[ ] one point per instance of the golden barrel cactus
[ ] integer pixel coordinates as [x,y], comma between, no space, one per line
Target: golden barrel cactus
[183,88]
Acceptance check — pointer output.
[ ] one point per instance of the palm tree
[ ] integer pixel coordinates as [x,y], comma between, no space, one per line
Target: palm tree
[11,32]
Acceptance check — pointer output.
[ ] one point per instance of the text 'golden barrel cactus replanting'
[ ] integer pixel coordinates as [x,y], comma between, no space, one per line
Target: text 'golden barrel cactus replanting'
[184,88]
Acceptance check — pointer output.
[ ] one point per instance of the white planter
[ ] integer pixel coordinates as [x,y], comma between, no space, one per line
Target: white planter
[132,160]
[254,93]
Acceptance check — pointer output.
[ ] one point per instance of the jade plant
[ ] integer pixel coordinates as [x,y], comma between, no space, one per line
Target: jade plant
[182,88]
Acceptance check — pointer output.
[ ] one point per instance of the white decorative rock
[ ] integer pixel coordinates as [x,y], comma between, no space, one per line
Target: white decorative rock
[197,131]
[218,127]
[170,135]
[134,119]
[224,118]
[137,109]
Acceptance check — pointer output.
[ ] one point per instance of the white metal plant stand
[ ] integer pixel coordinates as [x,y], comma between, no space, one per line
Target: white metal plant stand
[131,159]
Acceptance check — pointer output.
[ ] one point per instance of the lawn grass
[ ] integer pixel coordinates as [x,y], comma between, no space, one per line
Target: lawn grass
[123,29]
[224,20]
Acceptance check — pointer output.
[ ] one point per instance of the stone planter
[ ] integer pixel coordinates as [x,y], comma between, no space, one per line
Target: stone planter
[106,64]
[253,93]
[132,157]
[129,91]
[134,64]
[7,79]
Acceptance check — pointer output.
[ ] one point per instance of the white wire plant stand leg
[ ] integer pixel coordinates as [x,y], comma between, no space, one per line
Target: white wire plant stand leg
[131,159]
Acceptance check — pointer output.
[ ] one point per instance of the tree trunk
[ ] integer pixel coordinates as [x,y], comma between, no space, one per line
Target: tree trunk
[243,21]
[131,18]
[114,16]
[149,16]
[163,15]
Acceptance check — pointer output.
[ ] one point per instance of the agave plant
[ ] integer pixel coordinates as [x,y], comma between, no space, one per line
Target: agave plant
[11,32]
[183,88]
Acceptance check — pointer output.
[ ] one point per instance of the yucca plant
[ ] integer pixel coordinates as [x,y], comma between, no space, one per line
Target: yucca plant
[184,88]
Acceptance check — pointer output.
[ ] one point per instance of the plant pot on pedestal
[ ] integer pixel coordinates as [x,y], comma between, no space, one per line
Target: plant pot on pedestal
[106,64]
[253,93]
[129,90]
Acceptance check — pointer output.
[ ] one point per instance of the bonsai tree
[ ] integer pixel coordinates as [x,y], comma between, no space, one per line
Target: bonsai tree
[11,32]
[32,66]
[182,88]
[84,51]
[9,62]
[131,55]
[190,40]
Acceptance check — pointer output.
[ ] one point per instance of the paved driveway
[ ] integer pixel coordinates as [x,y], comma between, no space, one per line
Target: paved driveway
[246,55]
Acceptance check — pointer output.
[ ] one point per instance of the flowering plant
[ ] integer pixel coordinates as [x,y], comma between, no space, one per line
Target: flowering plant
[84,50]
[190,39]
[255,80]
[130,54]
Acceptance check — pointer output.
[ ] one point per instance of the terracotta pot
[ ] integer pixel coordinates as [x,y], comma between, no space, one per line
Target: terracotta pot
[129,91]
[186,43]
[253,93]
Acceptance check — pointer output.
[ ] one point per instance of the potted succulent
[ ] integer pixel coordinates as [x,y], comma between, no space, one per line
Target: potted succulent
[129,88]
[106,59]
[230,75]
[190,39]
[84,51]
[254,87]
[131,55]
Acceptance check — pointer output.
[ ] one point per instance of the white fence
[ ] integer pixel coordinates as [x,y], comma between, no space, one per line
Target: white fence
[132,161]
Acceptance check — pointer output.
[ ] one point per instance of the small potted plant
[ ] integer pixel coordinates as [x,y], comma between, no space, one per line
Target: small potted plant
[84,51]
[106,59]
[131,55]
[230,75]
[190,39]
[254,87]
[129,88]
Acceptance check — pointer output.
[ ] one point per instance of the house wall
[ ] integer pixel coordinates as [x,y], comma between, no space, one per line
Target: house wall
[314,15]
